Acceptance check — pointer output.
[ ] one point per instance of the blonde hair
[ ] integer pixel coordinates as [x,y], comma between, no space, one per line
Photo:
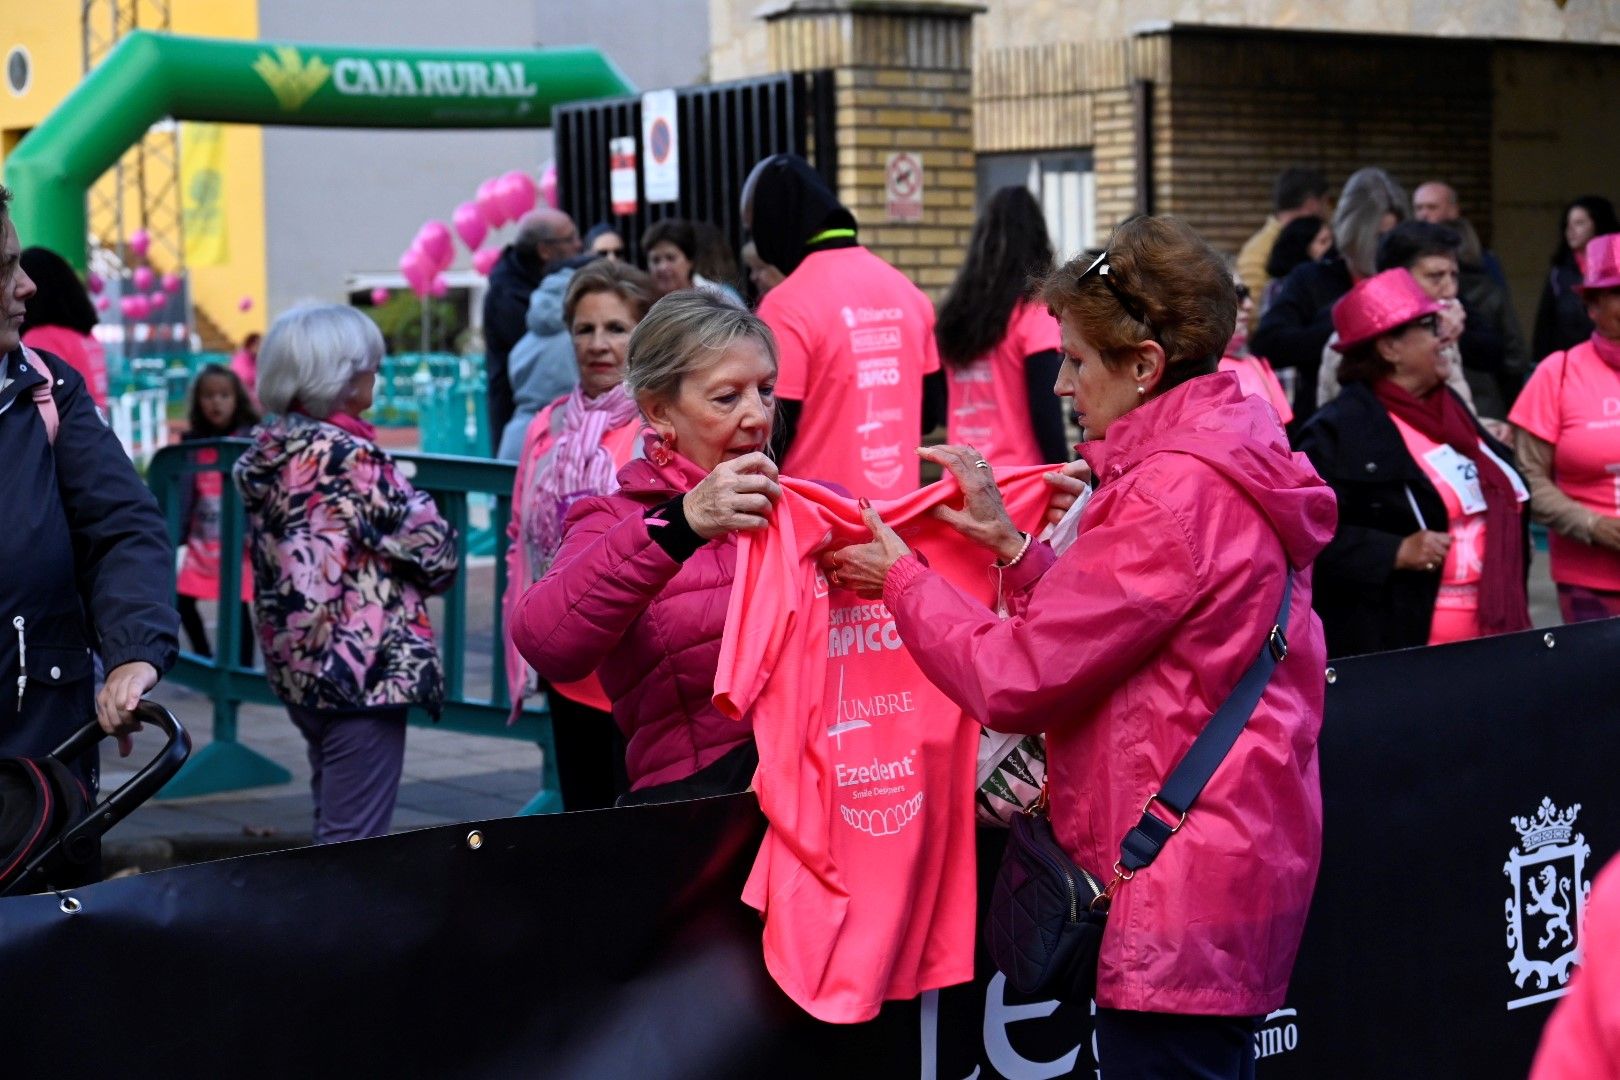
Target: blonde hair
[683,333]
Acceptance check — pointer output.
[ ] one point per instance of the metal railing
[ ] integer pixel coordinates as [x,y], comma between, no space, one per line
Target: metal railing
[140,420]
[455,483]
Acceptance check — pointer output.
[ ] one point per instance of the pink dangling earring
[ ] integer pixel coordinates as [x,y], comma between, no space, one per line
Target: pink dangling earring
[662,451]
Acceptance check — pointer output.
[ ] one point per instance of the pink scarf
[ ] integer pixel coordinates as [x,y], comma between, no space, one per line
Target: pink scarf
[577,467]
[355,426]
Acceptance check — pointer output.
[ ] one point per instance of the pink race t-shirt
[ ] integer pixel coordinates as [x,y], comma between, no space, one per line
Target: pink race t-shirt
[990,398]
[1573,401]
[854,339]
[1256,379]
[866,876]
[82,352]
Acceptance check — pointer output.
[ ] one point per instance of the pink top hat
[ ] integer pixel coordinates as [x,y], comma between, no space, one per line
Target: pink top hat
[1379,304]
[1602,263]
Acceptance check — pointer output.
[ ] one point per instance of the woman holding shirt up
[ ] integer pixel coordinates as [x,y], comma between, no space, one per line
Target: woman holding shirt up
[1122,648]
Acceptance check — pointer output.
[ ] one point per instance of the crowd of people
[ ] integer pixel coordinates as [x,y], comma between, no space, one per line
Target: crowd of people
[1345,412]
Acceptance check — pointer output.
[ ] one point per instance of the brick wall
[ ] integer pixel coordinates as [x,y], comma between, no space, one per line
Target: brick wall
[1230,110]
[1243,108]
[903,82]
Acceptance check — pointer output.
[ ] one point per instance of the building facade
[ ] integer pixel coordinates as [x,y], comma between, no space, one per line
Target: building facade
[1191,108]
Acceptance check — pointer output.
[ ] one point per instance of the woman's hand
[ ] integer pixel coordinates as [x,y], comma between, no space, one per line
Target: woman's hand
[1067,485]
[120,694]
[738,495]
[1606,533]
[1424,551]
[983,517]
[863,568]
[1452,320]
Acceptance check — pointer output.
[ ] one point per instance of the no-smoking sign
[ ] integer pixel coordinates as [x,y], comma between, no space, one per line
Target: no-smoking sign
[903,186]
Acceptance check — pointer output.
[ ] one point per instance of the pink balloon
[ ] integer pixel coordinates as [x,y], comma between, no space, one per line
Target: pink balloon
[157,299]
[172,282]
[470,225]
[548,184]
[438,288]
[245,304]
[484,259]
[144,278]
[133,307]
[436,243]
[102,303]
[517,193]
[418,270]
[490,203]
[379,296]
[139,242]
[94,283]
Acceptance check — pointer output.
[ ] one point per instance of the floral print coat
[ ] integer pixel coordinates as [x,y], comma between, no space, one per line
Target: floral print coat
[345,553]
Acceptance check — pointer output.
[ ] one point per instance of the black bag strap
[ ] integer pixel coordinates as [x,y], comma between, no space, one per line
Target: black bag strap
[1141,845]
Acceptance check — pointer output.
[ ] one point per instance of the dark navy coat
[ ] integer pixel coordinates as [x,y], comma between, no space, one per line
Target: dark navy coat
[85,561]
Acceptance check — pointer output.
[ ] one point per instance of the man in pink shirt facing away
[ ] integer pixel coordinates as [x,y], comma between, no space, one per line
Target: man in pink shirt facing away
[859,376]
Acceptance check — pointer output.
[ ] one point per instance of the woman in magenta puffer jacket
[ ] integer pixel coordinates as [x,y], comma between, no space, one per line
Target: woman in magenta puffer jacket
[1122,648]
[638,590]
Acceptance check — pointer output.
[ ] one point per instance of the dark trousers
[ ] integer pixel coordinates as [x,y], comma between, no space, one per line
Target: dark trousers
[590,754]
[1168,1046]
[197,634]
[355,756]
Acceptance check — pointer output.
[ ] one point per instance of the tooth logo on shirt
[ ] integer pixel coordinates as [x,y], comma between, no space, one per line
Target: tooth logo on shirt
[886,822]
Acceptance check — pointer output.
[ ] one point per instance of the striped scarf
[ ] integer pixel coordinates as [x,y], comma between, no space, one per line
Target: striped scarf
[577,468]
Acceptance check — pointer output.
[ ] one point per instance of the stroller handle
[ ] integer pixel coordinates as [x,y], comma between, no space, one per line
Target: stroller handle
[79,842]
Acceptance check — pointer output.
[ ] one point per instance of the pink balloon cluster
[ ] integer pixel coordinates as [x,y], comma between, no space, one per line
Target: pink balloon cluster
[499,200]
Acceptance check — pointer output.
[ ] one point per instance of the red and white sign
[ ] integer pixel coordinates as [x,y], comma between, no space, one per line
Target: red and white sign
[903,186]
[622,174]
[661,147]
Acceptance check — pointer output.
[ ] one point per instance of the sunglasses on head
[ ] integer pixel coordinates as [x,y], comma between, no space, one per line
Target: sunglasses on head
[1100,268]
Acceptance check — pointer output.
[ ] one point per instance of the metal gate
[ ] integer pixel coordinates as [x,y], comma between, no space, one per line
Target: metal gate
[723,130]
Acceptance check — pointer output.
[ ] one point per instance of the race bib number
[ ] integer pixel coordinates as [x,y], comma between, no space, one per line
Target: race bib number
[1460,475]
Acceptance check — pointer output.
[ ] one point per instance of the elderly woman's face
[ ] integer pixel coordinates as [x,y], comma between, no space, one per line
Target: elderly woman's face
[1101,394]
[361,389]
[601,329]
[1578,228]
[724,409]
[1420,363]
[671,270]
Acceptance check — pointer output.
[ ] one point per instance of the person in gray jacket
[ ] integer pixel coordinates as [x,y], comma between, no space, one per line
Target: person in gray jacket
[541,364]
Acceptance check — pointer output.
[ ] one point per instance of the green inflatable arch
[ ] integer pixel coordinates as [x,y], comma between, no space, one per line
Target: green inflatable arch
[151,76]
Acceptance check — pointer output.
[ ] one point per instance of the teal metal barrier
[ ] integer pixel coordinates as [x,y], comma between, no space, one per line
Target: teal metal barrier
[454,482]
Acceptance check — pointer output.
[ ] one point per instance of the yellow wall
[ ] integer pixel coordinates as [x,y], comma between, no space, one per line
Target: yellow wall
[51,30]
[217,290]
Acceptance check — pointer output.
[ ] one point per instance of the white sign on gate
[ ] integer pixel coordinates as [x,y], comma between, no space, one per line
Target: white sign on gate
[661,150]
[903,186]
[622,174]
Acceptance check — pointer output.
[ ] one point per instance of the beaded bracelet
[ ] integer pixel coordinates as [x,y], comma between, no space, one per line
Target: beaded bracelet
[1018,558]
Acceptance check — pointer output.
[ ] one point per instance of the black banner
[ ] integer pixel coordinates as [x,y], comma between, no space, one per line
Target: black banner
[1468,807]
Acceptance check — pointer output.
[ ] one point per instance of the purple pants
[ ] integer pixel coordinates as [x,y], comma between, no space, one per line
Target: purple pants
[1577,603]
[356,757]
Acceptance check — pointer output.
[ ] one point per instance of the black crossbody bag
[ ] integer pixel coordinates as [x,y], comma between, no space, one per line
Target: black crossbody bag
[1047,914]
